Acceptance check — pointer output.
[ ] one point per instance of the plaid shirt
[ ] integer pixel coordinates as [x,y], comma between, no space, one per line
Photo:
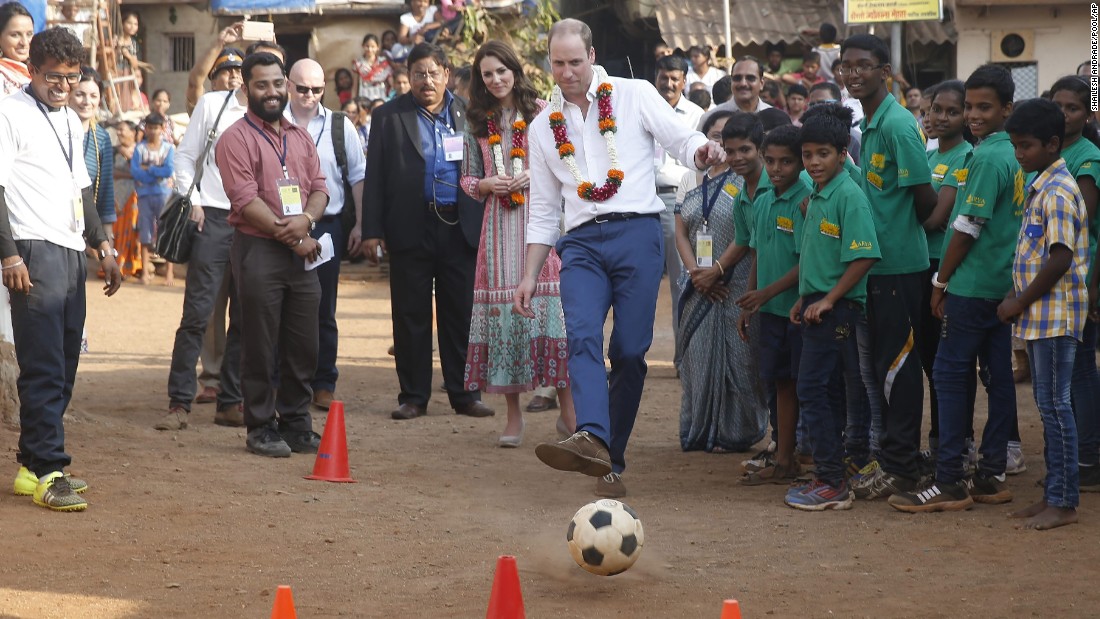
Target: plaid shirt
[1054,214]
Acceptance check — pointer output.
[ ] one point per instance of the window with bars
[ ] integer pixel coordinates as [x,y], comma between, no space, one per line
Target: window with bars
[181,48]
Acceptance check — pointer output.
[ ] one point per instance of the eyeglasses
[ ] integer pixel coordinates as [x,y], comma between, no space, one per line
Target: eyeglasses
[420,76]
[859,69]
[57,78]
[822,102]
[304,90]
[750,78]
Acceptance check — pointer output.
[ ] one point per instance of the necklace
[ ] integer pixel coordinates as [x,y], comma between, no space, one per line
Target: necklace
[519,129]
[586,189]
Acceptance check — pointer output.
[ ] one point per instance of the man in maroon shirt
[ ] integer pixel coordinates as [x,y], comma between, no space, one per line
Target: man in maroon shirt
[272,176]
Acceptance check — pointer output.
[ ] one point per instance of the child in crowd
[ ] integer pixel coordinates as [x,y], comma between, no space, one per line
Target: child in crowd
[828,51]
[701,69]
[151,167]
[421,24]
[373,70]
[1049,301]
[975,274]
[837,247]
[773,290]
[930,143]
[796,103]
[808,76]
[393,50]
[401,83]
[345,86]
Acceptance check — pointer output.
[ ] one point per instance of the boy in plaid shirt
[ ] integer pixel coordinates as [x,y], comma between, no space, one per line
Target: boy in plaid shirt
[1049,301]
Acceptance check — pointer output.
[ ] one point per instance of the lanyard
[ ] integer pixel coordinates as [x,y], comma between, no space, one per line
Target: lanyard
[68,154]
[317,140]
[708,204]
[280,155]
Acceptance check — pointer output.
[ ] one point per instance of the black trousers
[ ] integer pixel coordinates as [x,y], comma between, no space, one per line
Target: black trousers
[329,276]
[279,301]
[446,260]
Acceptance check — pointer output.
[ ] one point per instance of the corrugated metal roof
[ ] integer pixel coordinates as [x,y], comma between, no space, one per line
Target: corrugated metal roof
[684,23]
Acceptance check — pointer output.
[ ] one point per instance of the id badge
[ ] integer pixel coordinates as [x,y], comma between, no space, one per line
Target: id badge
[704,251]
[290,196]
[452,148]
[78,210]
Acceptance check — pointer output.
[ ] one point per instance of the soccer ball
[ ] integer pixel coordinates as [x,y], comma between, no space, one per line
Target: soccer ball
[605,537]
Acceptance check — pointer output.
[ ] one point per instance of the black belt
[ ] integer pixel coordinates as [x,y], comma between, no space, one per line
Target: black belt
[666,189]
[440,208]
[609,217]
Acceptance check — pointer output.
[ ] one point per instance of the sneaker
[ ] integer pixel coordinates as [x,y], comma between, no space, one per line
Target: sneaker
[760,461]
[1090,478]
[266,441]
[863,473]
[819,496]
[231,416]
[611,486]
[881,484]
[938,497]
[1016,464]
[174,419]
[582,452]
[54,492]
[852,467]
[989,489]
[26,482]
[301,441]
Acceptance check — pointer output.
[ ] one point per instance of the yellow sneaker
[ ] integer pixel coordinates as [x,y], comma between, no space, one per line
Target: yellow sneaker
[26,482]
[53,492]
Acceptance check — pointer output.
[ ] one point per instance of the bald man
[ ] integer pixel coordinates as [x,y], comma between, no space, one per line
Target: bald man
[344,167]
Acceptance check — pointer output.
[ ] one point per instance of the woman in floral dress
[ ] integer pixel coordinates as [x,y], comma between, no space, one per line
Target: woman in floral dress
[509,353]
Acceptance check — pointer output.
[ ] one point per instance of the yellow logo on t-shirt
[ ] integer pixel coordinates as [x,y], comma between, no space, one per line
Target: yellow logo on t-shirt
[874,179]
[960,176]
[829,229]
[973,200]
[878,160]
[1018,189]
[939,171]
[784,224]
[860,246]
[1087,164]
[731,190]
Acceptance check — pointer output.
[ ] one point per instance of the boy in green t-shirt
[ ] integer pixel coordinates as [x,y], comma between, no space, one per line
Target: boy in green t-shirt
[975,275]
[776,221]
[836,249]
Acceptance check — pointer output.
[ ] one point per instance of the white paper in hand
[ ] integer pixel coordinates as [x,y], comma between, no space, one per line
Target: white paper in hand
[327,252]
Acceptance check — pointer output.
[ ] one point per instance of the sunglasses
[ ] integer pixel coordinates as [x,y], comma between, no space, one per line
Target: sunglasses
[743,78]
[302,90]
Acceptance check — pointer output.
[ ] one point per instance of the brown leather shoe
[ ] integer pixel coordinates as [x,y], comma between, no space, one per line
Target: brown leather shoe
[322,398]
[174,419]
[539,404]
[611,486]
[209,395]
[582,452]
[231,416]
[409,411]
[477,408]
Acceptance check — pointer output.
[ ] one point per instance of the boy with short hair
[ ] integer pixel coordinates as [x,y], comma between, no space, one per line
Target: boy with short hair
[151,166]
[975,275]
[1049,301]
[776,221]
[836,249]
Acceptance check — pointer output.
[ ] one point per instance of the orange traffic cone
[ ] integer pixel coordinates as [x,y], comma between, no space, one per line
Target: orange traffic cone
[506,600]
[284,604]
[730,610]
[332,457]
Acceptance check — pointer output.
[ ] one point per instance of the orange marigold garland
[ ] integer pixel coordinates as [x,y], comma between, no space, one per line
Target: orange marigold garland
[517,154]
[586,189]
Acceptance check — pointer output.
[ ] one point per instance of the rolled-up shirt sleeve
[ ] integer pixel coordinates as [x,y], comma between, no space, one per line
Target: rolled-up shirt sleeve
[544,216]
[660,120]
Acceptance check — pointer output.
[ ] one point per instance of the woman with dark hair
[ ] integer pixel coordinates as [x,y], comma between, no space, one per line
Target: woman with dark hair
[160,104]
[375,74]
[345,86]
[16,30]
[509,353]
[98,153]
[701,69]
[129,63]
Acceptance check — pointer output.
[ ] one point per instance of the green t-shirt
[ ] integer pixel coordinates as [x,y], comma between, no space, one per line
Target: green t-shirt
[743,209]
[839,228]
[1083,159]
[994,191]
[777,223]
[849,167]
[893,159]
[944,166]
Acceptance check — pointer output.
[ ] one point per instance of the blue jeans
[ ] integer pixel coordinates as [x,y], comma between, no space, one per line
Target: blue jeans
[1086,397]
[971,329]
[824,347]
[612,265]
[1052,361]
[863,435]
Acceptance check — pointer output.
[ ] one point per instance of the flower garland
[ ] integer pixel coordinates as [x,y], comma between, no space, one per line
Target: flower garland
[586,189]
[518,154]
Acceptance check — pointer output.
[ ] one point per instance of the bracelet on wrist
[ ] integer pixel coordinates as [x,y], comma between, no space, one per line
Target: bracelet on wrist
[12,266]
[721,270]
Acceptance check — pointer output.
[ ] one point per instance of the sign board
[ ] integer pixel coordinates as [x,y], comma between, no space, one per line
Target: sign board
[871,11]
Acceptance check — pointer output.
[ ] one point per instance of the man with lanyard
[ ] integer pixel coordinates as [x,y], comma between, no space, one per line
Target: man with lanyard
[612,255]
[209,264]
[46,217]
[277,193]
[413,208]
[671,72]
[307,85]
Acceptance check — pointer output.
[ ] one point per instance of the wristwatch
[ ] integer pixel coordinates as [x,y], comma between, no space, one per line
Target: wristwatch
[103,254]
[312,222]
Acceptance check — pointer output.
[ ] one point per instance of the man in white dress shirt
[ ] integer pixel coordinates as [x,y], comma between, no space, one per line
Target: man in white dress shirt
[307,86]
[613,251]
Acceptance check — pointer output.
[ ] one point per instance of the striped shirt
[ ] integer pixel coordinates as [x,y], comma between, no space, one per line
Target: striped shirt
[1054,215]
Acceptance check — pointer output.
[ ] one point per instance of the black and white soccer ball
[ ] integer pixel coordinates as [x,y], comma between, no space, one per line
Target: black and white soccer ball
[605,537]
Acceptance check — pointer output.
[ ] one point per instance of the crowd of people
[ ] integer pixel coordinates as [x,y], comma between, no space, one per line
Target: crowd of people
[827,253]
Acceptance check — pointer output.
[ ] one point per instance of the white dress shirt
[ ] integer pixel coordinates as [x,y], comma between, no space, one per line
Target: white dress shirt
[320,129]
[669,171]
[210,193]
[642,116]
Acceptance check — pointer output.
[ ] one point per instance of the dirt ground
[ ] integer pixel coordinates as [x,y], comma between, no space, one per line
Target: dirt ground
[189,524]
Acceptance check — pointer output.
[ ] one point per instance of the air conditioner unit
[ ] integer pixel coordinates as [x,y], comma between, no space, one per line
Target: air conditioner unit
[1012,45]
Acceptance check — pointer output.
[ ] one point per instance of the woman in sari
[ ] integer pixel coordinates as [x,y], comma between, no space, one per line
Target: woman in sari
[125,227]
[509,353]
[723,405]
[16,30]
